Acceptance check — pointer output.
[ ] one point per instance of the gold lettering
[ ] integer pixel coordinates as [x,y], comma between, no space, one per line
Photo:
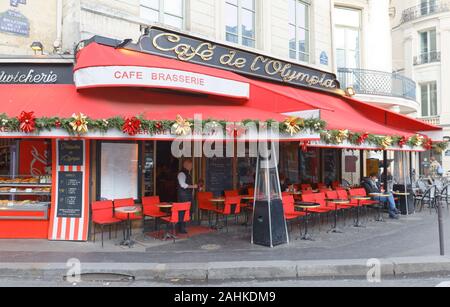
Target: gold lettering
[229,59]
[253,67]
[273,67]
[185,52]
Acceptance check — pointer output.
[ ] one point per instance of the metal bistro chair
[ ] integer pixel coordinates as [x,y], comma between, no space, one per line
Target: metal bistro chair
[444,196]
[427,198]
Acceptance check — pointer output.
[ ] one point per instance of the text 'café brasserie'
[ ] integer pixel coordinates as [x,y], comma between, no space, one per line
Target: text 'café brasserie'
[102,129]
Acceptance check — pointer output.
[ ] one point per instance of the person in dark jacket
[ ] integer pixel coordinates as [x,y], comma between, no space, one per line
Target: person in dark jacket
[372,185]
[185,189]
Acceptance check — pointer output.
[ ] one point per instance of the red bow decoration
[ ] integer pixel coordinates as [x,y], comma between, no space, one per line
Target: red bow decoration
[58,124]
[363,138]
[304,145]
[131,126]
[27,122]
[428,144]
[402,142]
[158,126]
[236,130]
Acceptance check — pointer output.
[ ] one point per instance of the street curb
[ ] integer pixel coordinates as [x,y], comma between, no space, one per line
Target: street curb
[223,271]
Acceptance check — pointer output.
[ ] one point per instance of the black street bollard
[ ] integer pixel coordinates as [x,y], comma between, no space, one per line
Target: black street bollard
[441,228]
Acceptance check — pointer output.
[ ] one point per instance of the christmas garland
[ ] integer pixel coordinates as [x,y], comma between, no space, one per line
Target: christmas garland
[80,124]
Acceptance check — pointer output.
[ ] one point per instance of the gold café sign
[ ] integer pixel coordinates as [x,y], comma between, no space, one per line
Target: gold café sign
[191,49]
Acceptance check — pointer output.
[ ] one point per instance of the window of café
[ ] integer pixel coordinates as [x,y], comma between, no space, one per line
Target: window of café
[118,170]
[219,173]
[289,162]
[331,161]
[351,166]
[309,166]
[148,168]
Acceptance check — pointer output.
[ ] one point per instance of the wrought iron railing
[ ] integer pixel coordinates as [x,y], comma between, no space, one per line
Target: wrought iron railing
[371,82]
[425,9]
[427,58]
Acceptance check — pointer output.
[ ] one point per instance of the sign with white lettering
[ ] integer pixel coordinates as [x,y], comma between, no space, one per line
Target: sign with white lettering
[187,48]
[14,22]
[36,74]
[160,78]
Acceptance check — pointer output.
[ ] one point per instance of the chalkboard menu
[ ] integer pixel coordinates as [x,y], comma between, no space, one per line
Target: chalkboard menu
[70,194]
[219,175]
[71,153]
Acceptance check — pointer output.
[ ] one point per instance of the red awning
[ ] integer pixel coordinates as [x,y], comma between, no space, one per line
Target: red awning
[347,113]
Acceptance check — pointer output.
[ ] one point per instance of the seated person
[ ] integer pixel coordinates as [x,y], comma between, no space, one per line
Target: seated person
[372,185]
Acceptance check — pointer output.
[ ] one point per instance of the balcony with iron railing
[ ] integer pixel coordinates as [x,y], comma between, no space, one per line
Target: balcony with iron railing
[428,58]
[432,120]
[377,83]
[423,10]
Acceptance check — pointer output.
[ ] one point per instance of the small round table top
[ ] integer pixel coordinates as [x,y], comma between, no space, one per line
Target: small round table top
[165,205]
[128,210]
[379,195]
[307,205]
[295,193]
[338,201]
[401,193]
[361,198]
[217,200]
[248,197]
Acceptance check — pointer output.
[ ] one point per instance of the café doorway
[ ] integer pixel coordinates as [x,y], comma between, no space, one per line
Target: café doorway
[167,168]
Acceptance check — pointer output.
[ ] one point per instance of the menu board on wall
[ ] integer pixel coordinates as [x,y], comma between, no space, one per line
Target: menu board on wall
[70,194]
[70,153]
[219,175]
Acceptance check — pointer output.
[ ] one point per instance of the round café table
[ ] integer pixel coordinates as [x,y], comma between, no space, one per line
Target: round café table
[359,199]
[404,194]
[336,203]
[305,207]
[220,201]
[167,208]
[128,241]
[380,214]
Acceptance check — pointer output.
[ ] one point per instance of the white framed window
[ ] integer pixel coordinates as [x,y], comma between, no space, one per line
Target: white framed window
[240,22]
[428,42]
[348,27]
[299,30]
[428,94]
[169,12]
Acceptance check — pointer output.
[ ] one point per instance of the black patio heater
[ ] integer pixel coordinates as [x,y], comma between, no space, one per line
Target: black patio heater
[269,224]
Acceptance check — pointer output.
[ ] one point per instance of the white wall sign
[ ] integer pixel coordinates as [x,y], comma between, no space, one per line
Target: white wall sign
[135,76]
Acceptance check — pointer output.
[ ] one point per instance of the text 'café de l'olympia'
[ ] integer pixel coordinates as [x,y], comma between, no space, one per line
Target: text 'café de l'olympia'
[102,128]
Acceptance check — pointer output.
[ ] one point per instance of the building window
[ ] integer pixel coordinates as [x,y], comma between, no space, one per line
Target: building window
[348,37]
[427,7]
[428,42]
[429,99]
[240,16]
[299,34]
[169,12]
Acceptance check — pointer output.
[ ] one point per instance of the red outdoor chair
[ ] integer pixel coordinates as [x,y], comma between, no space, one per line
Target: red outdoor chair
[335,195]
[151,210]
[231,193]
[251,191]
[305,187]
[361,192]
[205,204]
[322,186]
[103,215]
[232,207]
[318,198]
[181,212]
[289,208]
[307,192]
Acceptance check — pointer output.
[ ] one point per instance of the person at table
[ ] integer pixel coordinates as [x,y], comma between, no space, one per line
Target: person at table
[372,186]
[185,189]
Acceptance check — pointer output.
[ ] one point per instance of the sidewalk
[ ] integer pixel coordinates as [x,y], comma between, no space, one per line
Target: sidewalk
[407,246]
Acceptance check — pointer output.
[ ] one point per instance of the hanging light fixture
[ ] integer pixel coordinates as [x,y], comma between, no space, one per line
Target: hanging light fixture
[37,47]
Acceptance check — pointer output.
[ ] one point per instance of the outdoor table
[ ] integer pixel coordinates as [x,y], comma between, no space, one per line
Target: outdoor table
[359,199]
[406,194]
[218,202]
[248,208]
[336,203]
[306,207]
[128,211]
[380,215]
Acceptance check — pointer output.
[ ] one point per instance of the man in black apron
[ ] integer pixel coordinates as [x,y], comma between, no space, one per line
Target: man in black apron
[185,189]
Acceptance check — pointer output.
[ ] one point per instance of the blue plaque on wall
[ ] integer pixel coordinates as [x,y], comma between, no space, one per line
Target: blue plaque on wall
[14,22]
[14,3]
